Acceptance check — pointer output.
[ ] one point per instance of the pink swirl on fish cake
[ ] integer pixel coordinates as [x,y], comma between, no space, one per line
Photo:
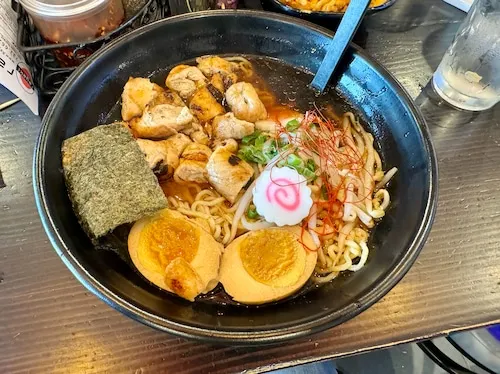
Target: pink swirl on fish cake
[280,190]
[283,198]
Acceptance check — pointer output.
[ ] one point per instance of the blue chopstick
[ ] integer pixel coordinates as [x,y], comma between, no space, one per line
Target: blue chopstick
[338,45]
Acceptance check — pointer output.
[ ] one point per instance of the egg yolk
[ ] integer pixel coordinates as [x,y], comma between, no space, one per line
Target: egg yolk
[166,239]
[269,255]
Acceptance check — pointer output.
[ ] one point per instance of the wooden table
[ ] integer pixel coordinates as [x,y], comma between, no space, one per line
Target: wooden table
[50,323]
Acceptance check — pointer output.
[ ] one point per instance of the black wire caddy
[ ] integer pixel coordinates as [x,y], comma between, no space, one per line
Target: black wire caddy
[47,61]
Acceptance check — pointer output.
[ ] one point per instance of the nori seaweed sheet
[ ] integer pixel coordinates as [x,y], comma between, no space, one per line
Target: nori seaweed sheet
[117,242]
[108,179]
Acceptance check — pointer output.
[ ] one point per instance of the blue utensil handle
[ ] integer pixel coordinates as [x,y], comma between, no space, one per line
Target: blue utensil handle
[338,45]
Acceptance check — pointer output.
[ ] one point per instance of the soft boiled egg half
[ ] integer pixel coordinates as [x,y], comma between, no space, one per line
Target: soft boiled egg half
[267,265]
[175,254]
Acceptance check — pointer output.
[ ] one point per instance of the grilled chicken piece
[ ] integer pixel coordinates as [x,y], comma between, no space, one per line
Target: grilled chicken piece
[191,171]
[197,133]
[161,121]
[196,152]
[185,80]
[200,137]
[218,95]
[178,143]
[245,103]
[211,65]
[222,82]
[163,155]
[204,106]
[217,81]
[230,127]
[167,97]
[227,173]
[220,71]
[229,144]
[161,158]
[137,93]
[192,166]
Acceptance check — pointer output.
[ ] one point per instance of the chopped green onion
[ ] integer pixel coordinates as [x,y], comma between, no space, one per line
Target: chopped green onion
[308,173]
[294,160]
[252,212]
[252,154]
[269,149]
[258,148]
[260,140]
[311,165]
[292,125]
[250,138]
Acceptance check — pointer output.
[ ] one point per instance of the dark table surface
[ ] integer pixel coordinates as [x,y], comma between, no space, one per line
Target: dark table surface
[50,323]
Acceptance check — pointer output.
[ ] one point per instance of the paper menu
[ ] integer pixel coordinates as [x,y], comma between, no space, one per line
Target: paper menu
[15,75]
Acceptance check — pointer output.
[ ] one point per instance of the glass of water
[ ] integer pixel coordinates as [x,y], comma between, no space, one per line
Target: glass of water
[469,74]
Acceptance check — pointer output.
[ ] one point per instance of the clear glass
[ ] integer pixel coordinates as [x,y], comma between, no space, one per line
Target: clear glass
[67,21]
[469,74]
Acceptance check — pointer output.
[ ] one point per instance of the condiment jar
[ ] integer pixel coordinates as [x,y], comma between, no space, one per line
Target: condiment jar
[66,21]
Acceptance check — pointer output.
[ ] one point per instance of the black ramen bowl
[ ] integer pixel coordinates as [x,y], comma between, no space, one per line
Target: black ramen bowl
[92,93]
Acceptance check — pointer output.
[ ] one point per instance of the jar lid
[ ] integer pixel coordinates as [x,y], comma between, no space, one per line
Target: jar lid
[60,8]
